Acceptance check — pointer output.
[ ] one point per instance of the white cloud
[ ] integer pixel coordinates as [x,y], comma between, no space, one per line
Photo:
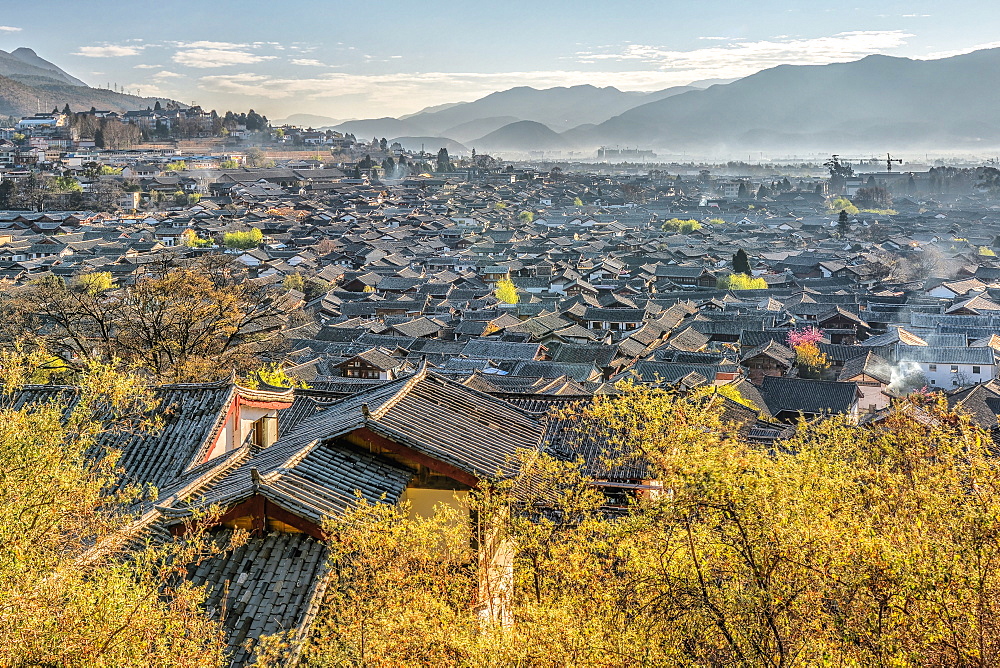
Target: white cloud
[307,62]
[217,57]
[959,52]
[743,58]
[9,29]
[109,51]
[146,67]
[165,74]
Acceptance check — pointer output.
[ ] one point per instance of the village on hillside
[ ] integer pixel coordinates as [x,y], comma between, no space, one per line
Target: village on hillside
[420,317]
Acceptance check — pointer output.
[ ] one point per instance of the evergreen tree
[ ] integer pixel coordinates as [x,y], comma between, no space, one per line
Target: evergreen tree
[443,161]
[741,263]
[743,194]
[843,223]
[763,192]
[66,109]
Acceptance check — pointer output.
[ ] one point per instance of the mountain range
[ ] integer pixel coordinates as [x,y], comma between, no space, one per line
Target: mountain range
[29,83]
[872,105]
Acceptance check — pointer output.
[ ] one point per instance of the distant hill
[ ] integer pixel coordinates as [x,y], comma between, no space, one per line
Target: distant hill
[308,120]
[871,105]
[522,136]
[381,127]
[431,144]
[559,108]
[29,83]
[478,127]
[24,65]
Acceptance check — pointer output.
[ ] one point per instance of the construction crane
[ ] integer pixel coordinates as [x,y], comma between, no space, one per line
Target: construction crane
[889,160]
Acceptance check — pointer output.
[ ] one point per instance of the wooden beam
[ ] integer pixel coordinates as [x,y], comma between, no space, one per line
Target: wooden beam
[259,509]
[445,469]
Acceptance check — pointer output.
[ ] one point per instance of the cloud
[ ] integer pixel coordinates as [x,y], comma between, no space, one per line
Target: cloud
[743,58]
[217,57]
[147,66]
[9,29]
[958,52]
[307,62]
[165,74]
[109,51]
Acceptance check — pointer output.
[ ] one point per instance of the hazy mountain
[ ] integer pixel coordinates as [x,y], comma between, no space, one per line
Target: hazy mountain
[29,84]
[875,104]
[558,108]
[24,65]
[436,107]
[479,127]
[431,144]
[522,136]
[308,120]
[381,127]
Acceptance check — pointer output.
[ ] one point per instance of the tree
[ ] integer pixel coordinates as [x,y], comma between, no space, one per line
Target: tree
[191,239]
[73,593]
[743,193]
[810,361]
[177,324]
[740,282]
[741,263]
[444,161]
[843,223]
[506,291]
[243,240]
[526,216]
[873,197]
[842,204]
[678,226]
[844,545]
[177,166]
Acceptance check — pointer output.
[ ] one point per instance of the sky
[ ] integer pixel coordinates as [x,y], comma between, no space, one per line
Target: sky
[374,58]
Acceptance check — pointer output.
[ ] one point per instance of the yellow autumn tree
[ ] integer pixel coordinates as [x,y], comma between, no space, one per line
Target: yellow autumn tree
[506,291]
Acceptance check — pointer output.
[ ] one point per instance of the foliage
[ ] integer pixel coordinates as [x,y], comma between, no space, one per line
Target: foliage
[191,239]
[526,216]
[506,291]
[678,226]
[95,282]
[842,204]
[577,201]
[68,595]
[66,184]
[177,166]
[183,324]
[274,375]
[294,281]
[740,282]
[848,546]
[876,197]
[798,337]
[730,392]
[987,251]
[716,221]
[881,212]
[741,263]
[229,164]
[243,240]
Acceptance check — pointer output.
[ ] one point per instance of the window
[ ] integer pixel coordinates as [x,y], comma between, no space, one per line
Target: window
[933,382]
[933,367]
[977,369]
[954,382]
[954,368]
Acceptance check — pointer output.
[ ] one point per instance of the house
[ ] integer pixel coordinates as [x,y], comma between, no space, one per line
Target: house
[948,367]
[789,399]
[768,359]
[873,376]
[372,363]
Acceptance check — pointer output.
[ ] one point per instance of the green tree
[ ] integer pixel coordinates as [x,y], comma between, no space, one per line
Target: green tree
[741,263]
[95,282]
[843,223]
[526,216]
[444,161]
[678,226]
[243,240]
[740,282]
[177,166]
